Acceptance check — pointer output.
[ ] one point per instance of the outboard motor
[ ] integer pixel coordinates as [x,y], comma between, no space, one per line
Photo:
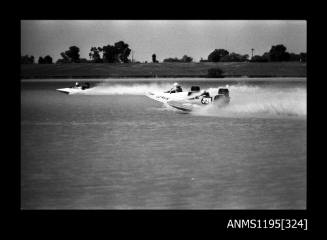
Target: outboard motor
[86,86]
[223,91]
[223,94]
[194,89]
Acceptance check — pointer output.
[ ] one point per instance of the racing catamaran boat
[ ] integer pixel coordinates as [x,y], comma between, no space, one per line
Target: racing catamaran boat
[221,99]
[172,94]
[188,101]
[75,89]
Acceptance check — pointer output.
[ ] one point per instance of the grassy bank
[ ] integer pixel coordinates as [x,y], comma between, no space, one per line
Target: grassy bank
[105,70]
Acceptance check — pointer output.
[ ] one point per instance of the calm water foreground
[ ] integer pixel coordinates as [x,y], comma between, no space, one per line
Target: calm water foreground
[114,148]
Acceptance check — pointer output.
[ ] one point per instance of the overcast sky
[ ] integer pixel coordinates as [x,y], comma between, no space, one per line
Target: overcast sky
[169,38]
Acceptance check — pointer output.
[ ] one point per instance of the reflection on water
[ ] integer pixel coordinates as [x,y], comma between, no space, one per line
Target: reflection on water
[125,151]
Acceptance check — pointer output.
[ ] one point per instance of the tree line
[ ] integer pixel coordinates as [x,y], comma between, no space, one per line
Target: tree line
[277,53]
[117,53]
[120,51]
[185,59]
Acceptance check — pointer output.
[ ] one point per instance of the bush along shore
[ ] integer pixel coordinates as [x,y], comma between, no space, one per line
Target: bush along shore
[164,70]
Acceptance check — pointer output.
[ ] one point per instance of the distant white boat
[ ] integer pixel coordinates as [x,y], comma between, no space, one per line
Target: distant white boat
[75,89]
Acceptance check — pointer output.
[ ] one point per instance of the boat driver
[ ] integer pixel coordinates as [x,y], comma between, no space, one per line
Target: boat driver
[176,88]
[77,84]
[205,94]
[179,88]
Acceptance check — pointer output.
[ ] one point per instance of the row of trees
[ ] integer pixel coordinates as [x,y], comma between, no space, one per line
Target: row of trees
[184,59]
[279,53]
[222,55]
[26,59]
[120,51]
[46,60]
[70,56]
[117,53]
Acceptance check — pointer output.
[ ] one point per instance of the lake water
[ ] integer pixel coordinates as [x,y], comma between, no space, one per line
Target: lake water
[114,148]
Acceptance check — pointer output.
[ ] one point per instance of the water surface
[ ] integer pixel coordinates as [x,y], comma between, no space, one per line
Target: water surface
[114,148]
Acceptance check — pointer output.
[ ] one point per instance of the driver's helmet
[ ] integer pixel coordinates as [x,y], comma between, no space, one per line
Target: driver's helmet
[205,93]
[176,84]
[76,84]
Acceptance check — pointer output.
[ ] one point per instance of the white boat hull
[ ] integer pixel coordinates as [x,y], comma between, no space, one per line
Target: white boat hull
[190,105]
[165,97]
[186,107]
[71,90]
[188,101]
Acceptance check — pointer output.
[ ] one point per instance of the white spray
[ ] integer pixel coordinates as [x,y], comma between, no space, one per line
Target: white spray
[246,101]
[249,101]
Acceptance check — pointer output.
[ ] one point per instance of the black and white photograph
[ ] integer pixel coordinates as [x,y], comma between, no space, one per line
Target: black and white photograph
[163,114]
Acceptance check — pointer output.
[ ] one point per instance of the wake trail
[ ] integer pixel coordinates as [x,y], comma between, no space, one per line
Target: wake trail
[246,101]
[249,101]
[123,89]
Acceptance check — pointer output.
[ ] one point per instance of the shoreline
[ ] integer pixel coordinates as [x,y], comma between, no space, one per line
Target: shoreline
[163,70]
